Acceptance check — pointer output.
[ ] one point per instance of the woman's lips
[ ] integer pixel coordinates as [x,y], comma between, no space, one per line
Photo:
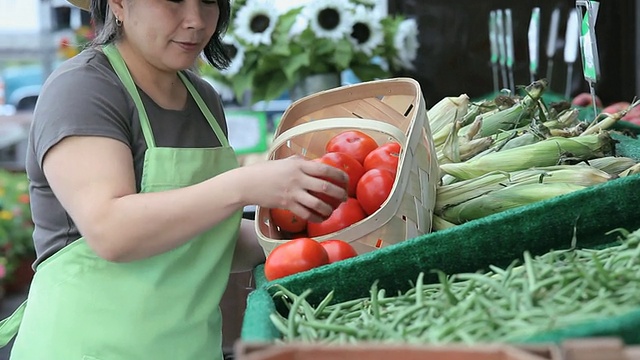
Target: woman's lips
[188,46]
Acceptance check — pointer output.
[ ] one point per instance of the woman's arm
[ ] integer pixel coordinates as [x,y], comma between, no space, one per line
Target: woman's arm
[94,180]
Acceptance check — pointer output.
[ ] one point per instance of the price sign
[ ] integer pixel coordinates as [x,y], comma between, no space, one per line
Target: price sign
[247,131]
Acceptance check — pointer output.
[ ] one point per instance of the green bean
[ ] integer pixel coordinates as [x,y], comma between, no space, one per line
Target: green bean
[292,329]
[330,327]
[419,289]
[279,322]
[323,304]
[375,308]
[559,288]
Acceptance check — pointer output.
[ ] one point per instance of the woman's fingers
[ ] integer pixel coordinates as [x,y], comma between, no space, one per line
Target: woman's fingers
[317,169]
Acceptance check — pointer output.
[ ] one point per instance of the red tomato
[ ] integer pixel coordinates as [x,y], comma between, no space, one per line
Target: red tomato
[348,164]
[585,99]
[616,107]
[374,188]
[294,256]
[348,213]
[634,120]
[338,250]
[384,157]
[634,113]
[287,221]
[352,142]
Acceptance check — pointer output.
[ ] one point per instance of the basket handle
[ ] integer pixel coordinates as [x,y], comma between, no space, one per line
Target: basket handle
[337,123]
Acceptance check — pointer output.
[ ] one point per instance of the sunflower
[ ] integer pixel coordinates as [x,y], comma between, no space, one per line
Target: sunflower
[405,42]
[255,22]
[367,32]
[330,19]
[236,52]
[367,2]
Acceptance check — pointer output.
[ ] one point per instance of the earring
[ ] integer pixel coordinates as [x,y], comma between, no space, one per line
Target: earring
[118,22]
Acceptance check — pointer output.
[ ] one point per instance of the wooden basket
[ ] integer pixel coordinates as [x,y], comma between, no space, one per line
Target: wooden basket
[387,110]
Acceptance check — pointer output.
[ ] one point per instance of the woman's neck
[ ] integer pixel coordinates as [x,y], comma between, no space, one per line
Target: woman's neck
[165,88]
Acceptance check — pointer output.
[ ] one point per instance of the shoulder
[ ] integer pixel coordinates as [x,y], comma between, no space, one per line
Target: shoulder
[83,96]
[84,76]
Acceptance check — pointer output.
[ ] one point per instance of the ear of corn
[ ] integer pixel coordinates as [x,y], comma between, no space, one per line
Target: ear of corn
[548,152]
[581,175]
[447,111]
[460,192]
[518,141]
[439,223]
[450,148]
[612,164]
[565,119]
[517,115]
[635,169]
[504,199]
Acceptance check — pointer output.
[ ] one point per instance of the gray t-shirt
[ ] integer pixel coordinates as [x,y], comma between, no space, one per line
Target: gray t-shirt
[85,97]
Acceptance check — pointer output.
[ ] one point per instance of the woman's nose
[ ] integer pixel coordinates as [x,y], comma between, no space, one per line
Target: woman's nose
[192,14]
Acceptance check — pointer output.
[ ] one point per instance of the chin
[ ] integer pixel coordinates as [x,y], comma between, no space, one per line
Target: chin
[182,64]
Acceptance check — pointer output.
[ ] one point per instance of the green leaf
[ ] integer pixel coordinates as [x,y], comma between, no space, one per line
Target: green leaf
[276,84]
[367,72]
[343,54]
[294,64]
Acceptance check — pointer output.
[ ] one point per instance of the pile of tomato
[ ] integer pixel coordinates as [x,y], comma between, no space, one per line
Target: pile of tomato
[371,168]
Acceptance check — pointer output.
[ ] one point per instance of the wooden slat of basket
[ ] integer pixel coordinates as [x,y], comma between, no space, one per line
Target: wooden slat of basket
[399,103]
[325,113]
[376,109]
[310,105]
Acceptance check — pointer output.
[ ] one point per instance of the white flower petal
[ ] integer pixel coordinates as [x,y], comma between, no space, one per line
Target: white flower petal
[244,23]
[363,17]
[299,26]
[237,60]
[337,28]
[405,41]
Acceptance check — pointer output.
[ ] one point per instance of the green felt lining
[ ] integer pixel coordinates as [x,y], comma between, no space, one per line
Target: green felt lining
[494,240]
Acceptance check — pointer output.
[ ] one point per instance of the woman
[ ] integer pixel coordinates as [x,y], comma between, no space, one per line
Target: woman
[137,196]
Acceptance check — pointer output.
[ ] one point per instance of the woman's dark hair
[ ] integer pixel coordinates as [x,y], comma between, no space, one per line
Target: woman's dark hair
[107,31]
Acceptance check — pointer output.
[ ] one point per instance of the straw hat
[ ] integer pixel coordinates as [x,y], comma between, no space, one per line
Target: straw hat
[82,4]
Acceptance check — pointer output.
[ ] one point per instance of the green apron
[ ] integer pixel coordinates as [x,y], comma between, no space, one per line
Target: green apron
[81,307]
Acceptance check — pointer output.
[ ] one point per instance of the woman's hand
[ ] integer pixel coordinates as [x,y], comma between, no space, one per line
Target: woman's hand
[289,183]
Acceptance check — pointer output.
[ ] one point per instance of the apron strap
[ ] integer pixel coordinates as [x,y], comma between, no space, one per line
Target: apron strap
[205,110]
[9,326]
[120,67]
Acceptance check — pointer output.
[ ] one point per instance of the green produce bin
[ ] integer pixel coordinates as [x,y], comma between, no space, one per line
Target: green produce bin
[494,240]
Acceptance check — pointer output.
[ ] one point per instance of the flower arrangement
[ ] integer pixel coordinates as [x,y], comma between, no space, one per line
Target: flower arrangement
[68,48]
[273,50]
[16,226]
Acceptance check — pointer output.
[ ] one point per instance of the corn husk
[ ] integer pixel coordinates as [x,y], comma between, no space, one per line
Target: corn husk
[612,164]
[447,111]
[607,120]
[504,199]
[515,116]
[549,152]
[460,192]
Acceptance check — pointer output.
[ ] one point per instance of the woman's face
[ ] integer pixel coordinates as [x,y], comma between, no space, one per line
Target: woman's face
[169,34]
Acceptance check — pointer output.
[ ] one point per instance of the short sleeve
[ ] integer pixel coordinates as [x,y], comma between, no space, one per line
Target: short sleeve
[80,99]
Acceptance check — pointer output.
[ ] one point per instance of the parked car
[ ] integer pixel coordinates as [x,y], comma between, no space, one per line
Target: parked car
[22,84]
